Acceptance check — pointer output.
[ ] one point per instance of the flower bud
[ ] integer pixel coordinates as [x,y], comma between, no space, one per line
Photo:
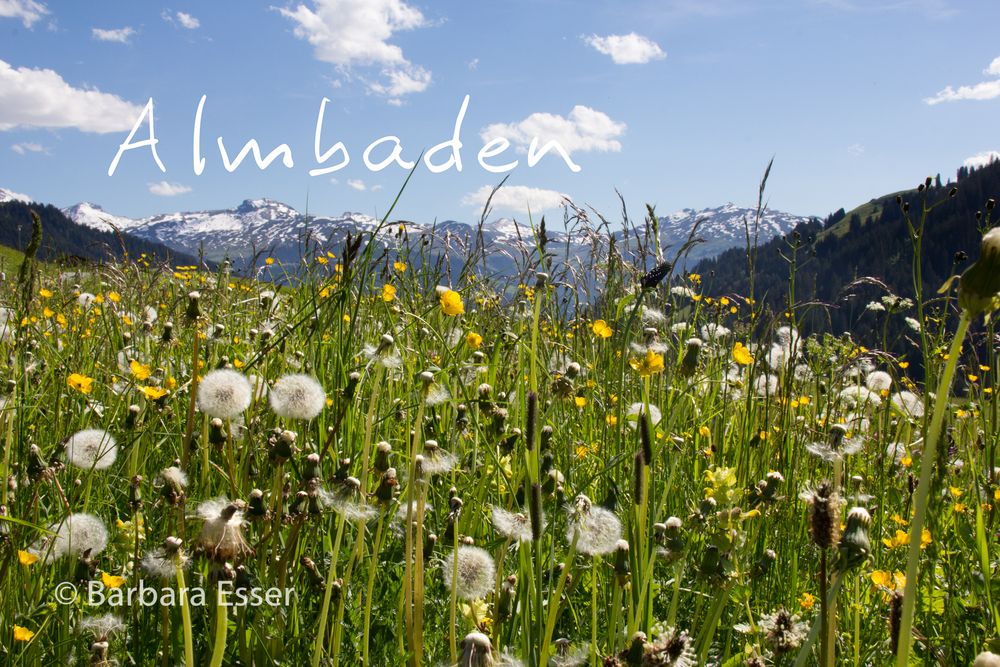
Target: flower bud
[979,286]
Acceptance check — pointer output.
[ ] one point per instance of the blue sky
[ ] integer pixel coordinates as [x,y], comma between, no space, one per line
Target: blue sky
[679,103]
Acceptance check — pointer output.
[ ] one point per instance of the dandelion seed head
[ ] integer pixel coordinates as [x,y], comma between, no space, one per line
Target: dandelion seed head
[222,532]
[476,573]
[783,632]
[908,404]
[634,410]
[297,396]
[437,461]
[987,659]
[100,627]
[77,535]
[714,332]
[878,381]
[91,449]
[595,529]
[224,393]
[513,526]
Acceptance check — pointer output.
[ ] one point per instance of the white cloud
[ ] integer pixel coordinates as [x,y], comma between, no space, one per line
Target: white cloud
[29,147]
[183,19]
[29,11]
[981,159]
[985,90]
[473,64]
[41,98]
[630,49]
[401,81]
[350,33]
[188,21]
[516,198]
[167,189]
[856,150]
[357,184]
[122,35]
[585,129]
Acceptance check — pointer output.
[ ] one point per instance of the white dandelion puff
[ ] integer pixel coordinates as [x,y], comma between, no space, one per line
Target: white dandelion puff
[437,461]
[224,393]
[908,404]
[878,381]
[77,535]
[475,575]
[714,332]
[100,627]
[222,533]
[91,449]
[634,410]
[513,525]
[594,529]
[297,396]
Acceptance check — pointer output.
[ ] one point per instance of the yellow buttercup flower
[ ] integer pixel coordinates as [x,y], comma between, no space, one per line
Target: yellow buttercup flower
[111,581]
[399,266]
[650,364]
[473,340]
[388,292]
[601,329]
[26,558]
[741,354]
[80,382]
[451,303]
[45,294]
[22,634]
[581,401]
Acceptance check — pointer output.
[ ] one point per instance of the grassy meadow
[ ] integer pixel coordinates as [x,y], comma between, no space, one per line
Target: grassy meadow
[578,465]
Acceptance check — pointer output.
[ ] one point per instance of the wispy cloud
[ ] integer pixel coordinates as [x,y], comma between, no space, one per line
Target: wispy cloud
[29,147]
[167,189]
[357,184]
[183,19]
[985,90]
[584,129]
[981,159]
[352,33]
[630,49]
[856,149]
[519,198]
[122,35]
[41,98]
[29,11]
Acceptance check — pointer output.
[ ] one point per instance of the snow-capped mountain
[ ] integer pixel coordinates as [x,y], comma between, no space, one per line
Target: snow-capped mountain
[10,195]
[276,229]
[722,228]
[95,217]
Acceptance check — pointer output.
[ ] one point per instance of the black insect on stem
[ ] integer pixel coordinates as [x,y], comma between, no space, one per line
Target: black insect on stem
[654,277]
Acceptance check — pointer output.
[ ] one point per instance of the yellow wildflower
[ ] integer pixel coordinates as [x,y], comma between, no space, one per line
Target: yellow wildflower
[26,558]
[650,364]
[22,634]
[81,383]
[451,303]
[473,340]
[388,292]
[140,371]
[111,581]
[741,354]
[601,329]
